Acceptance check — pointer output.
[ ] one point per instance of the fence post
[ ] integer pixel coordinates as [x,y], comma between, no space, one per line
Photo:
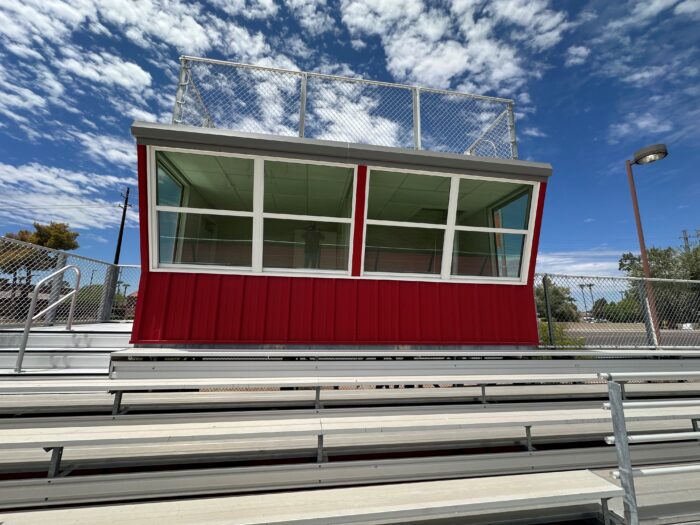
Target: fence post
[548,309]
[624,462]
[646,312]
[56,286]
[302,104]
[182,83]
[109,290]
[416,118]
[511,132]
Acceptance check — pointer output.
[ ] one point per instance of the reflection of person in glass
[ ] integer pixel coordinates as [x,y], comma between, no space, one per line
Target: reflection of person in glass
[312,246]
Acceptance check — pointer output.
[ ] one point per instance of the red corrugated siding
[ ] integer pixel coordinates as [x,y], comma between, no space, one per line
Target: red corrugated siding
[234,309]
[180,308]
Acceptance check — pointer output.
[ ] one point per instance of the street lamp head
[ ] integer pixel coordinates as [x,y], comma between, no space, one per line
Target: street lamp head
[650,154]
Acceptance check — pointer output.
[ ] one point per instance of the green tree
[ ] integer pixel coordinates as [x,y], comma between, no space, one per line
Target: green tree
[675,302]
[627,310]
[56,235]
[561,302]
[598,309]
[17,258]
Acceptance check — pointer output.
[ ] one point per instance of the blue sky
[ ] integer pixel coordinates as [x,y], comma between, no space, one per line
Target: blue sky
[593,81]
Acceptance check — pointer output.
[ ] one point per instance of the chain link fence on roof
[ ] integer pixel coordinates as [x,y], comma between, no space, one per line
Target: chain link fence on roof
[107,292]
[576,311]
[257,99]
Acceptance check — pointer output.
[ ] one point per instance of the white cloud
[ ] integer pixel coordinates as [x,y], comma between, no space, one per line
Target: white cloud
[105,68]
[576,55]
[247,8]
[543,27]
[312,15]
[533,132]
[584,262]
[646,75]
[474,45]
[589,220]
[101,148]
[638,126]
[36,192]
[688,8]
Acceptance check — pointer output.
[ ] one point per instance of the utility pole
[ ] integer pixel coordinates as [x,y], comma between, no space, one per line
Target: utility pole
[121,227]
[686,240]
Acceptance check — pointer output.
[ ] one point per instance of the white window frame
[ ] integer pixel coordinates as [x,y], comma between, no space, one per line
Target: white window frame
[450,228]
[258,215]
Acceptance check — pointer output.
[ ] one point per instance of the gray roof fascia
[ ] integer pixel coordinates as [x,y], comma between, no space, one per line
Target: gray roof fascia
[208,139]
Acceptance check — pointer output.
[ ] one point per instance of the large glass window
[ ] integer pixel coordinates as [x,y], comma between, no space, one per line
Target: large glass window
[274,215]
[493,204]
[397,204]
[316,201]
[205,239]
[308,189]
[189,182]
[484,210]
[407,197]
[487,254]
[204,181]
[403,250]
[306,244]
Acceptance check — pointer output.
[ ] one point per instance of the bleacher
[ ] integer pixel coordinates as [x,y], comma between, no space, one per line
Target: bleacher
[328,430]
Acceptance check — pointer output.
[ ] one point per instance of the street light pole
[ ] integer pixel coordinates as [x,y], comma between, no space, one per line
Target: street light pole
[645,156]
[638,220]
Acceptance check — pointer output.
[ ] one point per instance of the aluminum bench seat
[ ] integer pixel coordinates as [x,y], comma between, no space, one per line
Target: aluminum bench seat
[15,386]
[114,456]
[396,503]
[93,402]
[170,428]
[120,386]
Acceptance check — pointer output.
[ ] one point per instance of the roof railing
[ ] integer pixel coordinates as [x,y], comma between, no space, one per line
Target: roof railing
[258,99]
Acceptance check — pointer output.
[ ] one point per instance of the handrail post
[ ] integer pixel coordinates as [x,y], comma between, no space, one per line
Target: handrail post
[25,333]
[622,450]
[56,286]
[74,300]
[32,308]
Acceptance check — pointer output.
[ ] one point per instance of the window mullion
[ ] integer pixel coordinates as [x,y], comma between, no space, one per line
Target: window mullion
[448,241]
[258,202]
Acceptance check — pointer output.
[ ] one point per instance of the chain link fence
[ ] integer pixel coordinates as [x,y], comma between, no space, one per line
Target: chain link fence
[575,311]
[256,99]
[572,311]
[107,292]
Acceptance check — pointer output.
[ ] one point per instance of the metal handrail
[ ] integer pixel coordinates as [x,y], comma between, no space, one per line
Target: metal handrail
[31,317]
[622,439]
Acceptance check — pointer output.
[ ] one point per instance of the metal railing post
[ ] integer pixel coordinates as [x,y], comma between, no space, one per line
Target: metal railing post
[646,312]
[623,453]
[109,290]
[302,105]
[181,90]
[56,286]
[548,309]
[511,131]
[416,119]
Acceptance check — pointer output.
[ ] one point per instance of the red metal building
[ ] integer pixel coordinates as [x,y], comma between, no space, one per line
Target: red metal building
[251,239]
